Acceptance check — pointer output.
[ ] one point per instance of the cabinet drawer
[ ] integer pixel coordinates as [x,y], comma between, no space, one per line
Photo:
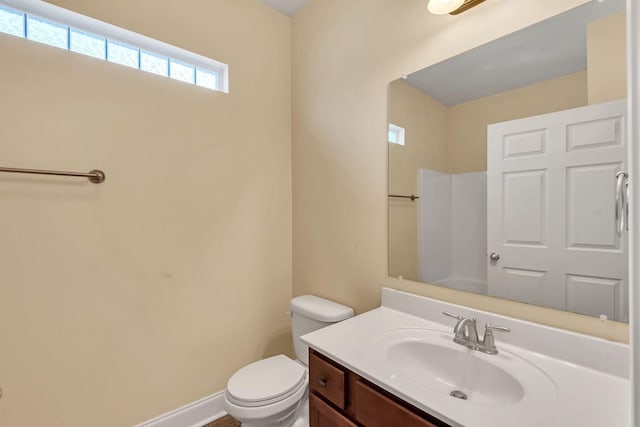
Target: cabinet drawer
[323,415]
[327,380]
[374,409]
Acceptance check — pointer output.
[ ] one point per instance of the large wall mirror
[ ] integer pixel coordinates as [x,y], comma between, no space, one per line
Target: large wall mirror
[504,167]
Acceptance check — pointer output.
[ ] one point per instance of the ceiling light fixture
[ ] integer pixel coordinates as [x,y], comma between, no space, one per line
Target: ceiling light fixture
[442,7]
[453,7]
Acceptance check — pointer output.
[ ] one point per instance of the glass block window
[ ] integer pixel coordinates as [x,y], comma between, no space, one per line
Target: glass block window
[12,22]
[52,25]
[47,32]
[154,64]
[183,72]
[123,54]
[396,134]
[206,78]
[88,44]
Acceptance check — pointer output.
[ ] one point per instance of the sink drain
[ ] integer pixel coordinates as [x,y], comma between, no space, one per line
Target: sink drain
[458,394]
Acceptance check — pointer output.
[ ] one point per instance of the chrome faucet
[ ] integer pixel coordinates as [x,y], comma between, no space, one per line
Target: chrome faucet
[466,334]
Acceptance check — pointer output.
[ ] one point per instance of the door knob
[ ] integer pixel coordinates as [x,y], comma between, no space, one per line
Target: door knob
[494,256]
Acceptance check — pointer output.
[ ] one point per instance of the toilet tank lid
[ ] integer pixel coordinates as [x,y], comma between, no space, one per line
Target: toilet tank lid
[320,309]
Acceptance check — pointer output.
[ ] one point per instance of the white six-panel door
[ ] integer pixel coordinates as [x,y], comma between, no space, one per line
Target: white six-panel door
[551,210]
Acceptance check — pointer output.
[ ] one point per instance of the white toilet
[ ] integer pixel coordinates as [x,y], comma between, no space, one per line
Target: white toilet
[274,391]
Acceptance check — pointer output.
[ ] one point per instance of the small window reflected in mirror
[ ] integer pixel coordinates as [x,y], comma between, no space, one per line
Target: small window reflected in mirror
[396,134]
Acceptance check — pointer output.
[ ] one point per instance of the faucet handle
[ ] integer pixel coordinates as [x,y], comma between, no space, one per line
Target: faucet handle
[488,342]
[490,327]
[455,316]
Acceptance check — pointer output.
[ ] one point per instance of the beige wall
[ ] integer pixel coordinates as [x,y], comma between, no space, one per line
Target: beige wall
[467,123]
[606,59]
[124,300]
[425,124]
[342,64]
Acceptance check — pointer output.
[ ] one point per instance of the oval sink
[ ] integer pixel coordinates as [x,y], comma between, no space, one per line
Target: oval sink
[431,359]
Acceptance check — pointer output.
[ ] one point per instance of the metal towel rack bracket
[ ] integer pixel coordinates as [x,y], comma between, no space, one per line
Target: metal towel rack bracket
[96,176]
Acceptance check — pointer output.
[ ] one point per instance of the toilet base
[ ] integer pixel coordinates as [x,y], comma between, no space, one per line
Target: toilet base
[303,416]
[299,417]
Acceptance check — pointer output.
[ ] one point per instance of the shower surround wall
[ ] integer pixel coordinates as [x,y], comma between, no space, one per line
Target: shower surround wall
[453,229]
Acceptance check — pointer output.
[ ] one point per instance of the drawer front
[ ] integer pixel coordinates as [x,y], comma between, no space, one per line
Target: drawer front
[374,409]
[323,415]
[327,380]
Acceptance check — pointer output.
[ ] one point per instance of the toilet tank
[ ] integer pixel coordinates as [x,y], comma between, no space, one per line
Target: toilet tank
[310,313]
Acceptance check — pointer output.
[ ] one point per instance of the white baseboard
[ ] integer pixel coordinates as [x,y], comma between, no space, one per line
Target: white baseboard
[194,414]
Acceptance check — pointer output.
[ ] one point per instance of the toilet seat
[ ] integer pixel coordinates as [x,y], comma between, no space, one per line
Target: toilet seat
[266,382]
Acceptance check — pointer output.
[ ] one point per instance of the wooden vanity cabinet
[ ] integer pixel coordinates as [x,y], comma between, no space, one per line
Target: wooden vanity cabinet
[341,398]
[321,414]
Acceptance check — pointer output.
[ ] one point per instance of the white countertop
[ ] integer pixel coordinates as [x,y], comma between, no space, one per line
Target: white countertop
[590,391]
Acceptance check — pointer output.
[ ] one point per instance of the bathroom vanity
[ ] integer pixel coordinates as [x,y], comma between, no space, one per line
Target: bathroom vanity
[337,396]
[397,365]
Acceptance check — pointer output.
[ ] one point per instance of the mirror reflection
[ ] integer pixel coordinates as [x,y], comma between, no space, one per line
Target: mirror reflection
[504,167]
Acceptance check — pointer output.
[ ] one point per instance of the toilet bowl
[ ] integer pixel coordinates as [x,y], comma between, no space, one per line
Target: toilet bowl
[274,391]
[268,392]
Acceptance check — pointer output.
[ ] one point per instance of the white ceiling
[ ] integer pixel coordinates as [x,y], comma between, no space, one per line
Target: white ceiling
[550,49]
[288,7]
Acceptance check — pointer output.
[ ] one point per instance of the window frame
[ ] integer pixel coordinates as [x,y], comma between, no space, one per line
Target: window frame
[399,131]
[82,23]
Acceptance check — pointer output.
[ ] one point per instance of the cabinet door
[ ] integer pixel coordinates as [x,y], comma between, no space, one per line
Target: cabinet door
[374,409]
[323,415]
